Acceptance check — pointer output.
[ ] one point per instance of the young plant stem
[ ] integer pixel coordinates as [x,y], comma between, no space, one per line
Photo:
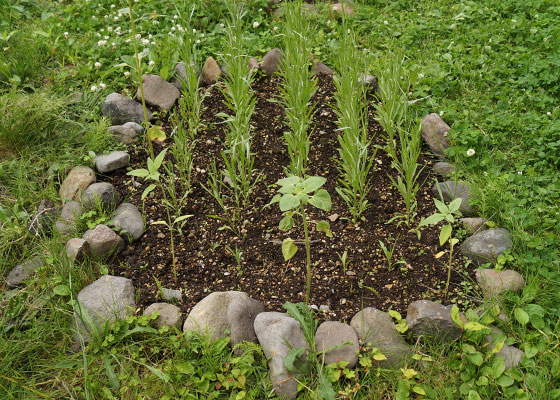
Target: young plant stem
[308,254]
[449,270]
[170,222]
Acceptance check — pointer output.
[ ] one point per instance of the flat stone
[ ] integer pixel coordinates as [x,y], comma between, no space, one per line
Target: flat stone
[271,61]
[331,334]
[320,68]
[494,283]
[435,133]
[101,193]
[433,320]
[112,161]
[77,249]
[473,225]
[158,92]
[77,180]
[124,134]
[139,129]
[130,221]
[103,240]
[68,220]
[211,72]
[172,294]
[44,219]
[485,247]
[277,334]
[451,191]
[376,328]
[223,312]
[169,315]
[443,168]
[512,355]
[120,109]
[108,299]
[24,271]
[369,81]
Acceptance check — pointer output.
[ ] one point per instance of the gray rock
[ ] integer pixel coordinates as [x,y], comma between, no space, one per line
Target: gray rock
[124,134]
[139,129]
[320,68]
[102,193]
[103,240]
[24,271]
[222,312]
[486,246]
[271,61]
[340,9]
[253,64]
[443,168]
[377,328]
[44,219]
[473,225]
[331,334]
[112,161]
[172,294]
[158,92]
[450,191]
[211,72]
[108,299]
[78,179]
[512,355]
[180,76]
[494,283]
[120,109]
[277,334]
[435,133]
[129,220]
[169,315]
[433,320]
[370,81]
[69,216]
[77,249]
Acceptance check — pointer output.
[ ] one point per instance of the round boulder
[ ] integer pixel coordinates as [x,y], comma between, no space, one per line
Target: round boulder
[332,334]
[169,315]
[485,247]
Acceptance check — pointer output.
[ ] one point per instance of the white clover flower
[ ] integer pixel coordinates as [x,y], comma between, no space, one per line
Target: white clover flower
[275,28]
[113,44]
[385,22]
[260,9]
[440,113]
[119,15]
[109,29]
[145,42]
[470,152]
[197,41]
[485,173]
[98,34]
[173,28]
[105,16]
[102,86]
[222,25]
[150,36]
[94,88]
[151,63]
[112,6]
[153,43]
[420,76]
[66,34]
[180,29]
[102,43]
[126,74]
[548,113]
[138,36]
[115,18]
[256,24]
[194,31]
[93,17]
[97,64]
[106,37]
[175,17]
[519,172]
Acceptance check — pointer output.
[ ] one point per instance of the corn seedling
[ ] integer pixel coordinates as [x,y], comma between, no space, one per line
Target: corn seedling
[298,88]
[354,161]
[389,253]
[344,260]
[238,255]
[294,194]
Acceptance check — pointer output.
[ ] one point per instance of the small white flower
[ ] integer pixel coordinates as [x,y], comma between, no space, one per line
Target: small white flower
[180,29]
[173,28]
[485,173]
[175,17]
[539,209]
[222,25]
[548,113]
[93,17]
[440,113]
[113,44]
[513,21]
[97,64]
[145,42]
[452,26]
[102,43]
[112,6]
[115,18]
[194,31]
[153,43]
[93,88]
[66,34]
[126,74]
[260,9]
[102,85]
[385,22]
[109,29]
[202,35]
[98,34]
[420,76]
[197,41]
[150,36]
[105,16]
[275,28]
[106,37]
[470,152]
[519,172]
[119,15]
[151,63]
[138,36]
[256,24]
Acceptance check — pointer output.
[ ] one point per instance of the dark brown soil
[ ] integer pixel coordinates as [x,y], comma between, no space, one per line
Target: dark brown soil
[205,262]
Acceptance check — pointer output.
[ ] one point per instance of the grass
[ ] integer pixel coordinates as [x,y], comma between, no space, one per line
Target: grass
[488,67]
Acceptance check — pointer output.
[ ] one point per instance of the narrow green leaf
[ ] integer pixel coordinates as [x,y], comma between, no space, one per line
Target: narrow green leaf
[148,190]
[440,205]
[455,316]
[159,159]
[326,390]
[141,173]
[110,372]
[432,219]
[455,204]
[444,234]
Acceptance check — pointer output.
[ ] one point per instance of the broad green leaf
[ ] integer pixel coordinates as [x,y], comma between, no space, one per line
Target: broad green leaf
[185,368]
[455,316]
[321,199]
[440,205]
[482,381]
[521,316]
[444,234]
[476,359]
[474,326]
[313,183]
[275,199]
[473,395]
[395,315]
[324,226]
[504,381]
[432,219]
[455,204]
[419,390]
[498,346]
[291,180]
[141,173]
[498,367]
[286,223]
[159,159]
[409,373]
[289,249]
[61,290]
[379,357]
[148,190]
[326,390]
[156,133]
[288,202]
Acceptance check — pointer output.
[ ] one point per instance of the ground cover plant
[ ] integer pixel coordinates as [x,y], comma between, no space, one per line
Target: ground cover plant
[488,68]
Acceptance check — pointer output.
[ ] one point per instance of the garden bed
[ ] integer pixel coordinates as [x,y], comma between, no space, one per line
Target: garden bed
[205,260]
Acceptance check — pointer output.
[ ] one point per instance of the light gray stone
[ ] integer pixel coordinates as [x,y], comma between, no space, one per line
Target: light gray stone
[139,129]
[271,61]
[172,294]
[486,246]
[340,9]
[320,68]
[77,249]
[129,220]
[428,319]
[253,64]
[103,240]
[108,299]
[370,81]
[24,271]
[44,219]
[78,179]
[331,334]
[473,225]
[277,334]
[169,315]
[494,283]
[120,109]
[443,168]
[68,220]
[451,191]
[124,134]
[222,312]
[436,133]
[158,92]
[101,193]
[211,72]
[512,355]
[377,328]
[112,161]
